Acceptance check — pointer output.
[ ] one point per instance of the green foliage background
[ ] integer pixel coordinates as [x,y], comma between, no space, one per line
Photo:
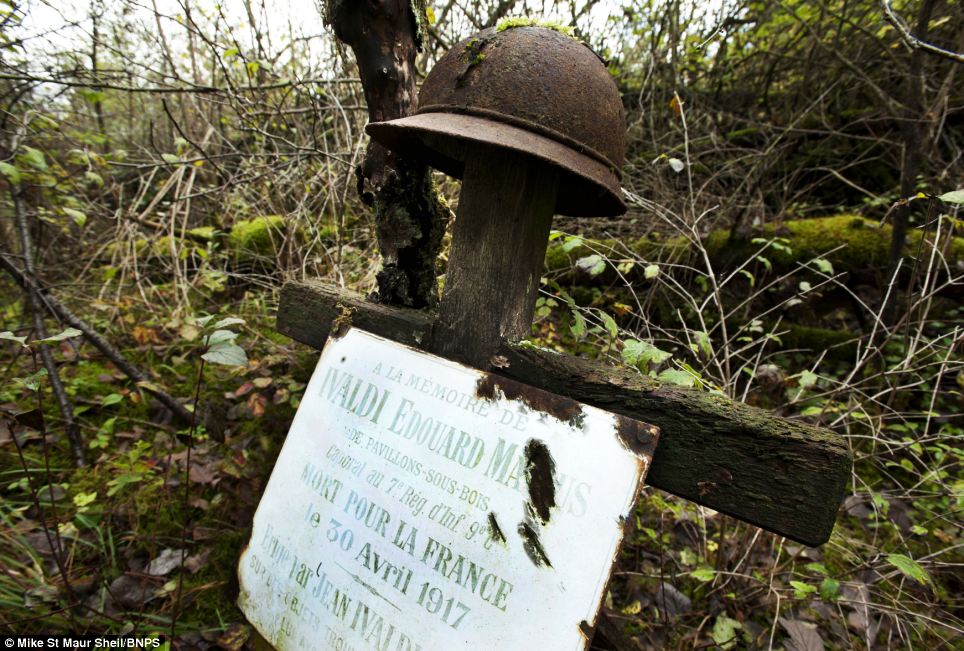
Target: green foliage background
[184,165]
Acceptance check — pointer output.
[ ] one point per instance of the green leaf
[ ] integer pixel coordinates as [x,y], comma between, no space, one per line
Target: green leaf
[651,271]
[824,266]
[170,158]
[578,325]
[909,567]
[85,499]
[11,172]
[592,264]
[829,588]
[642,353]
[807,379]
[955,196]
[111,399]
[94,178]
[219,337]
[231,52]
[60,336]
[704,343]
[817,568]
[226,354]
[703,574]
[687,557]
[79,218]
[725,631]
[802,590]
[34,158]
[9,336]
[32,381]
[229,321]
[678,377]
[119,483]
[571,242]
[610,324]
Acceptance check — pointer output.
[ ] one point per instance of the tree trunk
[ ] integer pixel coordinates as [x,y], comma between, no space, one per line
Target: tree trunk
[912,129]
[386,36]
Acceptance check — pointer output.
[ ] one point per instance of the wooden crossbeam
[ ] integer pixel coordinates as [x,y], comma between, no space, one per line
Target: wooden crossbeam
[785,476]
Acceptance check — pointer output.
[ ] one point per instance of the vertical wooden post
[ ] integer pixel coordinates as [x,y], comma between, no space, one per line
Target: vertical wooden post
[498,248]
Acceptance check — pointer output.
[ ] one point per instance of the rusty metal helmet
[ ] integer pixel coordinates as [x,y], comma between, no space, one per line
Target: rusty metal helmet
[530,89]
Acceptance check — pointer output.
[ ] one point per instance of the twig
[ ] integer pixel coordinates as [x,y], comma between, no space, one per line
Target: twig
[201,90]
[912,41]
[58,309]
[58,548]
[187,499]
[37,312]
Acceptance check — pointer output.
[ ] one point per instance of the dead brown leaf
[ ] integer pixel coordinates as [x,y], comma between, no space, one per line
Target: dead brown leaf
[201,474]
[144,335]
[197,562]
[257,404]
[803,635]
[234,637]
[244,389]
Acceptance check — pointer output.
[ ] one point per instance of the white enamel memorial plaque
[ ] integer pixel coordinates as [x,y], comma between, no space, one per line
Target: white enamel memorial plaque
[419,504]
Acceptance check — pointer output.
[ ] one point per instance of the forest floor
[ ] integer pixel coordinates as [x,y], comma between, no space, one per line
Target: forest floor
[101,548]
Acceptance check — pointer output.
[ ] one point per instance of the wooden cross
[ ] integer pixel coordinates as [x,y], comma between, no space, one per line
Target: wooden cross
[785,476]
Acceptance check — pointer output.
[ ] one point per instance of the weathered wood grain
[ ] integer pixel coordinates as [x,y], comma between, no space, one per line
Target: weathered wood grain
[782,475]
[499,241]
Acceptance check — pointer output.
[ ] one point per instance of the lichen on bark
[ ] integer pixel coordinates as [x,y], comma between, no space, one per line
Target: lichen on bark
[410,219]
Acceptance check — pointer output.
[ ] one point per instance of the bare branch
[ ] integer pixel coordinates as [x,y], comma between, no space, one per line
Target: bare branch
[912,41]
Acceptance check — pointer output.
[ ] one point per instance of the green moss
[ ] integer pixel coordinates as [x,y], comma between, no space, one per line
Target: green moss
[328,232]
[260,237]
[203,233]
[151,520]
[860,244]
[472,55]
[520,21]
[863,244]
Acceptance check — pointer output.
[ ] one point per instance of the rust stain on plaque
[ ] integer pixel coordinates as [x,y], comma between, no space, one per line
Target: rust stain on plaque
[565,409]
[637,437]
[495,531]
[532,545]
[540,471]
[586,630]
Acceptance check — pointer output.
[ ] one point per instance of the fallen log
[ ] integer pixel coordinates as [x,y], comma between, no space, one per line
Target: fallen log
[850,243]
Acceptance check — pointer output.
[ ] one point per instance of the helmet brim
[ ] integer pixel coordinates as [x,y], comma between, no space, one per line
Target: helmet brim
[592,188]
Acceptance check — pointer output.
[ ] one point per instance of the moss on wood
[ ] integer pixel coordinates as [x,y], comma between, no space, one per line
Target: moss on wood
[260,237]
[861,244]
